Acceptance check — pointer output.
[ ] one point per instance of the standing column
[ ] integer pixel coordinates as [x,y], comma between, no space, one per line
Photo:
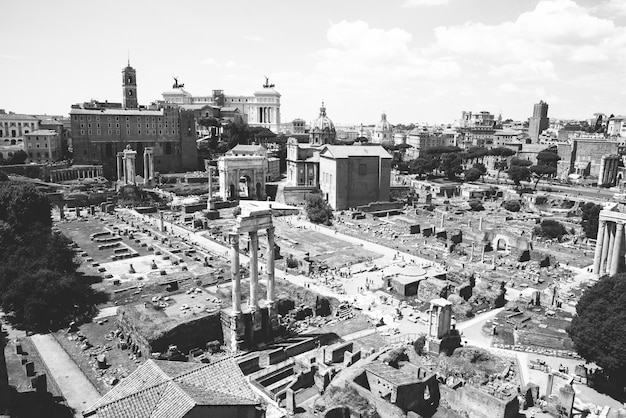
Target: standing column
[120,167]
[234,271]
[610,249]
[605,248]
[270,265]
[619,235]
[254,270]
[599,242]
[145,168]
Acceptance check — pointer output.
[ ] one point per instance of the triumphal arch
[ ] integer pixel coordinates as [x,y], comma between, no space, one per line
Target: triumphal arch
[247,326]
[243,171]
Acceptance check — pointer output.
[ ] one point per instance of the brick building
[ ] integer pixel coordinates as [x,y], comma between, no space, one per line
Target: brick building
[101,129]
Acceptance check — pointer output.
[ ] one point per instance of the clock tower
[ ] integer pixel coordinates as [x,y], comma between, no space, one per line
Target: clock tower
[129,80]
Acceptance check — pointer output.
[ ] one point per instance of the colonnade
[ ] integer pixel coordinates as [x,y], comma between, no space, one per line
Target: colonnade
[73,173]
[609,253]
[254,273]
[266,114]
[126,166]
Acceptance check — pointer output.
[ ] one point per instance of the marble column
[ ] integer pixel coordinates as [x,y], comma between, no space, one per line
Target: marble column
[270,265]
[146,174]
[599,242]
[619,236]
[120,167]
[605,249]
[609,261]
[234,270]
[254,270]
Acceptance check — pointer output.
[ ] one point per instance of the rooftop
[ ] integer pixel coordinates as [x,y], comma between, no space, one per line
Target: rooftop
[17,116]
[346,151]
[172,389]
[41,132]
[390,374]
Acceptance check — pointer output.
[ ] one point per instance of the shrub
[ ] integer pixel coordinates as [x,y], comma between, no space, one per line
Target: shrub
[512,205]
[476,205]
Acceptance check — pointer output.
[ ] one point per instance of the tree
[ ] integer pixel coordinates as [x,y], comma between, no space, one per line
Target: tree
[599,328]
[451,165]
[3,176]
[518,173]
[45,300]
[472,174]
[501,163]
[422,165]
[590,219]
[24,207]
[520,162]
[18,157]
[317,209]
[477,153]
[512,205]
[541,171]
[551,229]
[39,286]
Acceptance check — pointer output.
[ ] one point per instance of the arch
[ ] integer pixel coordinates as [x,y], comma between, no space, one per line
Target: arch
[245,187]
[501,243]
[13,142]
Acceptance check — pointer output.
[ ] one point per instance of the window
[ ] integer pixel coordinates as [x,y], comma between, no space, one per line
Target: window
[89,132]
[98,132]
[82,132]
[89,125]
[82,125]
[117,118]
[88,117]
[117,131]
[75,117]
[109,132]
[362,169]
[117,125]
[97,118]
[128,132]
[109,125]
[127,125]
[138,132]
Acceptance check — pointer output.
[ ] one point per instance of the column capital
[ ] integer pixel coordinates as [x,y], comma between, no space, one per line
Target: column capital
[233,237]
[602,221]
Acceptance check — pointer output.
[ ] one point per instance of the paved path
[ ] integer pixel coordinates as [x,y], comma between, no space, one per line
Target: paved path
[76,388]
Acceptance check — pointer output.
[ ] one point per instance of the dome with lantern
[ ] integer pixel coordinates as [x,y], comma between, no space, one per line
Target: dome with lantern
[322,129]
[383,131]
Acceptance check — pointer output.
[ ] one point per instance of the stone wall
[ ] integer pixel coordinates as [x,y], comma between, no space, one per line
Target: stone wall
[477,403]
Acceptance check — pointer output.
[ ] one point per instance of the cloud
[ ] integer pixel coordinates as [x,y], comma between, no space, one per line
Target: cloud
[415,3]
[526,70]
[554,27]
[252,38]
[610,8]
[10,57]
[222,64]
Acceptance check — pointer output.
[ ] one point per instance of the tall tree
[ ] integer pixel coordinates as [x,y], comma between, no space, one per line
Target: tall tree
[317,209]
[599,328]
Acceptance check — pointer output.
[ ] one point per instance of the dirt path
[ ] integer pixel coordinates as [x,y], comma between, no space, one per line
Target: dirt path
[76,388]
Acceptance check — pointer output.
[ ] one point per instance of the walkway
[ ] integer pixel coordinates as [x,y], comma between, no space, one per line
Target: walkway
[76,388]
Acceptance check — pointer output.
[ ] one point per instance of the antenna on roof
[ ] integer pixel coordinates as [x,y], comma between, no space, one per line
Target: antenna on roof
[128,55]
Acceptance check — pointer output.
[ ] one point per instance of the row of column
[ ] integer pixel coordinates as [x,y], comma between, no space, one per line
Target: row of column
[265,114]
[75,173]
[609,248]
[254,272]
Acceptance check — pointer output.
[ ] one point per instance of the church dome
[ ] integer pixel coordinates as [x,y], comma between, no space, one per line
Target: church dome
[323,122]
[383,125]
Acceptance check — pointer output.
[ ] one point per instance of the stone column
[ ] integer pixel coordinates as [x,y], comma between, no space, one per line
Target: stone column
[254,270]
[209,203]
[609,260]
[605,248]
[619,236]
[270,265]
[234,270]
[599,242]
[145,168]
[120,168]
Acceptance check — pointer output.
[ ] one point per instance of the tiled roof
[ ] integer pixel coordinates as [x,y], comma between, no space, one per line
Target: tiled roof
[115,111]
[16,116]
[164,389]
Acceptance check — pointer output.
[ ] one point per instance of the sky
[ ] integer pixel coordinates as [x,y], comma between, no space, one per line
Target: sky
[419,61]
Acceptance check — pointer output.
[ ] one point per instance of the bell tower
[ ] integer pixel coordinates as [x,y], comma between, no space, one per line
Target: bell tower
[129,80]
